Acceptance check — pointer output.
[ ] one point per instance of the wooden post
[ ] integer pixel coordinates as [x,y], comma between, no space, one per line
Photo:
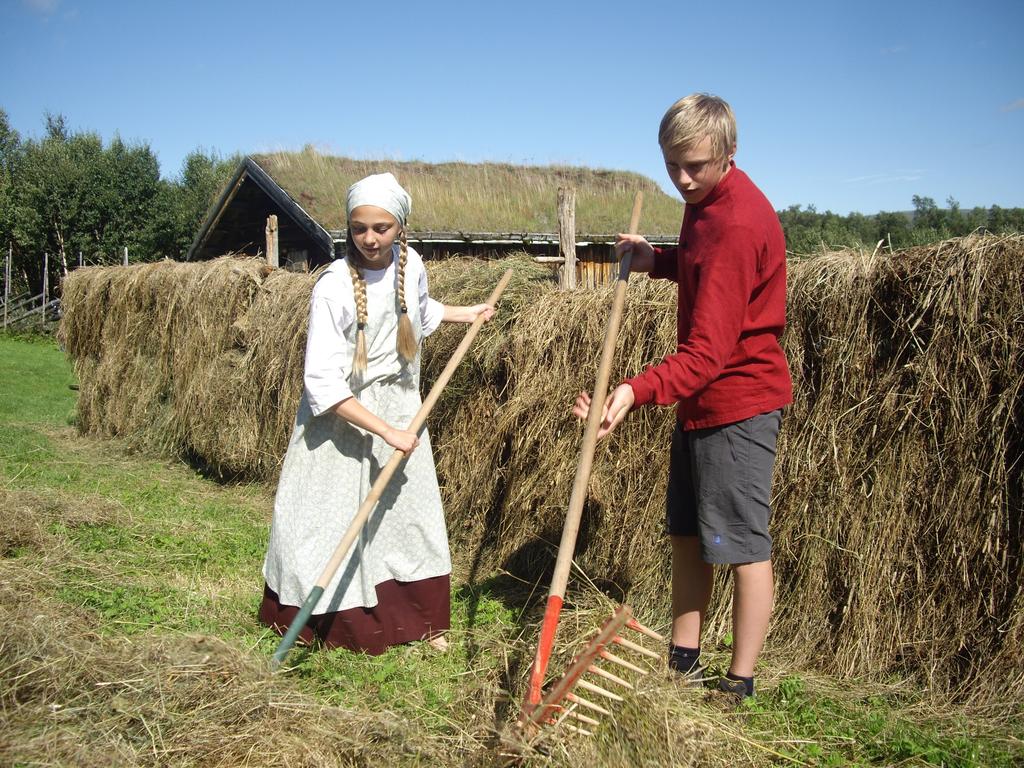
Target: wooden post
[272,258]
[79,258]
[46,289]
[7,279]
[567,237]
[125,260]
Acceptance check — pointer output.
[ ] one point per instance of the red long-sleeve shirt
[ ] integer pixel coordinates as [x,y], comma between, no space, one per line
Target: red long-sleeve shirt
[730,266]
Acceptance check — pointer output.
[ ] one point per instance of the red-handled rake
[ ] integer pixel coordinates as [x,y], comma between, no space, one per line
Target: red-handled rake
[535,710]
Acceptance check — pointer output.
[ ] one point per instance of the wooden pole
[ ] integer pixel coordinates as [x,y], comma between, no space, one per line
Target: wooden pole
[272,242]
[46,288]
[79,258]
[7,279]
[125,259]
[567,237]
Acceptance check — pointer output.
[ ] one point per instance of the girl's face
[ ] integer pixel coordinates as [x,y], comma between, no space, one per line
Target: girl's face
[373,230]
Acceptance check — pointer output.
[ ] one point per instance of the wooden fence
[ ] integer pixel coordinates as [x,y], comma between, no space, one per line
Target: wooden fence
[25,310]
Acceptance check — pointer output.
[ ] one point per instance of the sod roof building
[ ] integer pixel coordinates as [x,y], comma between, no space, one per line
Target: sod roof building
[483,208]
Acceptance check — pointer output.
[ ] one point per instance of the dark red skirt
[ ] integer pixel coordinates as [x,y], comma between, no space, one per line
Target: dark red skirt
[406,611]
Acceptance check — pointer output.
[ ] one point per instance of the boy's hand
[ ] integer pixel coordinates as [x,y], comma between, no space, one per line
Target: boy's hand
[643,252]
[616,406]
[401,440]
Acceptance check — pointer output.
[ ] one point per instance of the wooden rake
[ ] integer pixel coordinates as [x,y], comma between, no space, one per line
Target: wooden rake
[536,711]
[552,710]
[363,513]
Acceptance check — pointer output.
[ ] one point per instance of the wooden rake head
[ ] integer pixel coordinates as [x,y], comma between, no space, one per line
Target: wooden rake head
[562,704]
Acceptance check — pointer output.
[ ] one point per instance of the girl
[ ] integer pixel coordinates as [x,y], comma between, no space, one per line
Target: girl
[368,314]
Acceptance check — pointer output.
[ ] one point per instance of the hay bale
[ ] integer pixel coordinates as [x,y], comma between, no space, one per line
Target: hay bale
[899,481]
[900,474]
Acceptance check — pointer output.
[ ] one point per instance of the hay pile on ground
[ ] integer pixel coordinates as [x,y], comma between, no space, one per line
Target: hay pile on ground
[75,697]
[77,691]
[899,494]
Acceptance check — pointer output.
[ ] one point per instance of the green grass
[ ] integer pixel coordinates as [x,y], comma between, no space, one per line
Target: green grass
[36,381]
[868,729]
[148,547]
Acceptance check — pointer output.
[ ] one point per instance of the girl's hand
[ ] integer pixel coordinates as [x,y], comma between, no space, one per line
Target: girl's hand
[454,314]
[400,440]
[480,309]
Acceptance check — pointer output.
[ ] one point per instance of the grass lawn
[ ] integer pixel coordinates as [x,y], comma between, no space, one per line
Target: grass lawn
[131,583]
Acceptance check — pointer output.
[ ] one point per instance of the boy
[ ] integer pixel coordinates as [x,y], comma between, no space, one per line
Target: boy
[728,379]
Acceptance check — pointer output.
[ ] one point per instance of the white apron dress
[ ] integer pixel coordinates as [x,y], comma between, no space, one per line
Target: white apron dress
[331,465]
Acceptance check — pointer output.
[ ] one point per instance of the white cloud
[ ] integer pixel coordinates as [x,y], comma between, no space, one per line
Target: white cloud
[1013,106]
[888,177]
[892,50]
[44,7]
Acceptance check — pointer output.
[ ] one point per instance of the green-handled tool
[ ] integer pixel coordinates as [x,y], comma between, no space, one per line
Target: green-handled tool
[381,483]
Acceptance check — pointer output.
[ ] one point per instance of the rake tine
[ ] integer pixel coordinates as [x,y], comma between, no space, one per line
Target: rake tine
[609,676]
[587,703]
[636,626]
[560,717]
[574,729]
[586,685]
[583,718]
[608,655]
[635,647]
[611,627]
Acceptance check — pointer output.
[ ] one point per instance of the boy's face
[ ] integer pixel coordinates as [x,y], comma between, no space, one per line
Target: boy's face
[695,171]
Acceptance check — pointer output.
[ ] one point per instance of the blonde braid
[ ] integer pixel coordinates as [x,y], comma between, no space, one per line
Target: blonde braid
[359,361]
[406,336]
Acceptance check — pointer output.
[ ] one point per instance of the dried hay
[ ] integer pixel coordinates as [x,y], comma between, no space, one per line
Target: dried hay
[74,693]
[899,482]
[901,474]
[27,519]
[70,696]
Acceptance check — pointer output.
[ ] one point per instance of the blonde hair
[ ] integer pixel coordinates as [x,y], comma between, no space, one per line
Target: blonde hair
[407,344]
[695,116]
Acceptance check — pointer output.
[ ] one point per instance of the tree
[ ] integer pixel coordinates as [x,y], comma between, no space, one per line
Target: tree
[181,205]
[71,194]
[10,148]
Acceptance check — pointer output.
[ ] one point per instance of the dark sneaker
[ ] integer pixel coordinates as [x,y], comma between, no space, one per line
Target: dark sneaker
[685,661]
[736,688]
[726,695]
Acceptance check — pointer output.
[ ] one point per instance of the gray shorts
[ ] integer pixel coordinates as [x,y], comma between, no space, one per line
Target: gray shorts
[719,488]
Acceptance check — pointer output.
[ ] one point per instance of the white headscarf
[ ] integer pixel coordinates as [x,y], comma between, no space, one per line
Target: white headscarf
[383,191]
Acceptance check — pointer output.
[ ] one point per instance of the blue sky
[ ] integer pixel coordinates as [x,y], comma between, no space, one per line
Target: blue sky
[847,106]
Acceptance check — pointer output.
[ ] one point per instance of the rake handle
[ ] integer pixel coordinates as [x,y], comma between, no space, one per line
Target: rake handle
[382,481]
[586,460]
[571,527]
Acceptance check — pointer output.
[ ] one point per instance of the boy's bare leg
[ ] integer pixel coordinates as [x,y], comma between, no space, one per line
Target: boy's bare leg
[692,580]
[752,598]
